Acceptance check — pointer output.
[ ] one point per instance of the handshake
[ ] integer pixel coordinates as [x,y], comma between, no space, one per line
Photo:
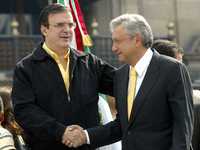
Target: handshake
[74,136]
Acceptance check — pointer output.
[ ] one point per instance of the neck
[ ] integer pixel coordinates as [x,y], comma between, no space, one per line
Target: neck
[136,57]
[62,51]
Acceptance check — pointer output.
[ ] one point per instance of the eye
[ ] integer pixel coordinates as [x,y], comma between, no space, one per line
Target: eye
[115,41]
[72,25]
[60,25]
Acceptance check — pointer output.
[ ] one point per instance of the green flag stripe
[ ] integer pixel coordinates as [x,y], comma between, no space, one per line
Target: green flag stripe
[64,2]
[86,49]
[61,2]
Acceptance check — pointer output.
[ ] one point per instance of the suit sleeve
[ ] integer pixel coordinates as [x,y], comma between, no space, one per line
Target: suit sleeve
[196,132]
[29,115]
[105,134]
[181,103]
[108,133]
[105,74]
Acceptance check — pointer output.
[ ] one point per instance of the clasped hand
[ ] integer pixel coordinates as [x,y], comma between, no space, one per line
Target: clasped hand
[74,136]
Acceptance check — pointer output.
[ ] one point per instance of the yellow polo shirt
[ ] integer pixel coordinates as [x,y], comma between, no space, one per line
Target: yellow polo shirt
[64,71]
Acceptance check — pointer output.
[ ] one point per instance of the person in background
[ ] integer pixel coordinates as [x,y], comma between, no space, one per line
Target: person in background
[171,49]
[9,122]
[6,138]
[196,131]
[168,48]
[180,54]
[153,94]
[106,116]
[56,86]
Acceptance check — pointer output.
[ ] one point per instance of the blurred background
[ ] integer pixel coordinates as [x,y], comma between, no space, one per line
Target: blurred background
[175,20]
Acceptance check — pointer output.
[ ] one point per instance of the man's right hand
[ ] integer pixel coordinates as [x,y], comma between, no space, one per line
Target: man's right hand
[74,136]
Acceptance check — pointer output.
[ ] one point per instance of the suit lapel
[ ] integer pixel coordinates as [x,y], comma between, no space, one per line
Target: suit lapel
[146,86]
[122,82]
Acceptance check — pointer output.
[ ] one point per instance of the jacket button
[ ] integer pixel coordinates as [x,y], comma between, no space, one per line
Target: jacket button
[129,132]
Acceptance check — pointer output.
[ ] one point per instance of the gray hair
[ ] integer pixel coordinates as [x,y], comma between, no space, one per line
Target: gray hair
[134,23]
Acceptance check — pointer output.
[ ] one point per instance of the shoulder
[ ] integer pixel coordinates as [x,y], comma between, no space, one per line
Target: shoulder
[122,69]
[86,56]
[6,140]
[4,132]
[89,58]
[173,71]
[168,64]
[37,54]
[76,54]
[164,60]
[24,60]
[27,63]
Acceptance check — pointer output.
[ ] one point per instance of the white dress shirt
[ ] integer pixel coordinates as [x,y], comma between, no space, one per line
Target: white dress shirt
[141,68]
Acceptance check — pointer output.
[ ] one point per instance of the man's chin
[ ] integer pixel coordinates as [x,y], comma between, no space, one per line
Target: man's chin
[63,46]
[66,40]
[120,59]
[66,44]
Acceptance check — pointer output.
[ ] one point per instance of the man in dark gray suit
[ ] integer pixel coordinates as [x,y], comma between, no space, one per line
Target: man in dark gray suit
[161,116]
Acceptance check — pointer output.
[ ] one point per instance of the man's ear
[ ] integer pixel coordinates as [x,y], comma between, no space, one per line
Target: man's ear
[43,30]
[138,39]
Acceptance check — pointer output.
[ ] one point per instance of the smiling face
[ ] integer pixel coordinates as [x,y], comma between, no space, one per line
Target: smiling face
[58,33]
[128,48]
[124,45]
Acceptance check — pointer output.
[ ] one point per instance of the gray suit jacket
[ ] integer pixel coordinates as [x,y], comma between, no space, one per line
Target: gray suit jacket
[162,113]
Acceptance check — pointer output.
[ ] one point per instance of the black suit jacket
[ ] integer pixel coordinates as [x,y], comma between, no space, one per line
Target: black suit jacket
[196,133]
[42,105]
[162,115]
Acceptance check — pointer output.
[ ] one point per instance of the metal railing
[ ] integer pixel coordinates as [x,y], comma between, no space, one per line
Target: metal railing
[103,49]
[13,48]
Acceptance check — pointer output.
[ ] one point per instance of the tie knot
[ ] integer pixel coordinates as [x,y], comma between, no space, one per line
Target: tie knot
[132,71]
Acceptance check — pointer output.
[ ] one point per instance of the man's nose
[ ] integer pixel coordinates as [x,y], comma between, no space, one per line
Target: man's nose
[114,48]
[67,28]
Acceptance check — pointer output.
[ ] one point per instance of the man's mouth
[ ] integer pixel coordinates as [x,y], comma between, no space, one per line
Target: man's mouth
[118,53]
[65,37]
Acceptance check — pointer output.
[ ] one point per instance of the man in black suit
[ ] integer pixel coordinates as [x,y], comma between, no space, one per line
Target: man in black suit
[161,117]
[56,85]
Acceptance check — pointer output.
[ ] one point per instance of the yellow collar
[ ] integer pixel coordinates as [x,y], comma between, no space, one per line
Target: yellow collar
[52,53]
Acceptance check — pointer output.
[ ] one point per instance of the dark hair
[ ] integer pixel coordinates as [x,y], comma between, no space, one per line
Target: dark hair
[9,120]
[166,47]
[51,9]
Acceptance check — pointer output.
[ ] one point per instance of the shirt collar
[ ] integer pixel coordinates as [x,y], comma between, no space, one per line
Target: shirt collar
[52,53]
[143,63]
